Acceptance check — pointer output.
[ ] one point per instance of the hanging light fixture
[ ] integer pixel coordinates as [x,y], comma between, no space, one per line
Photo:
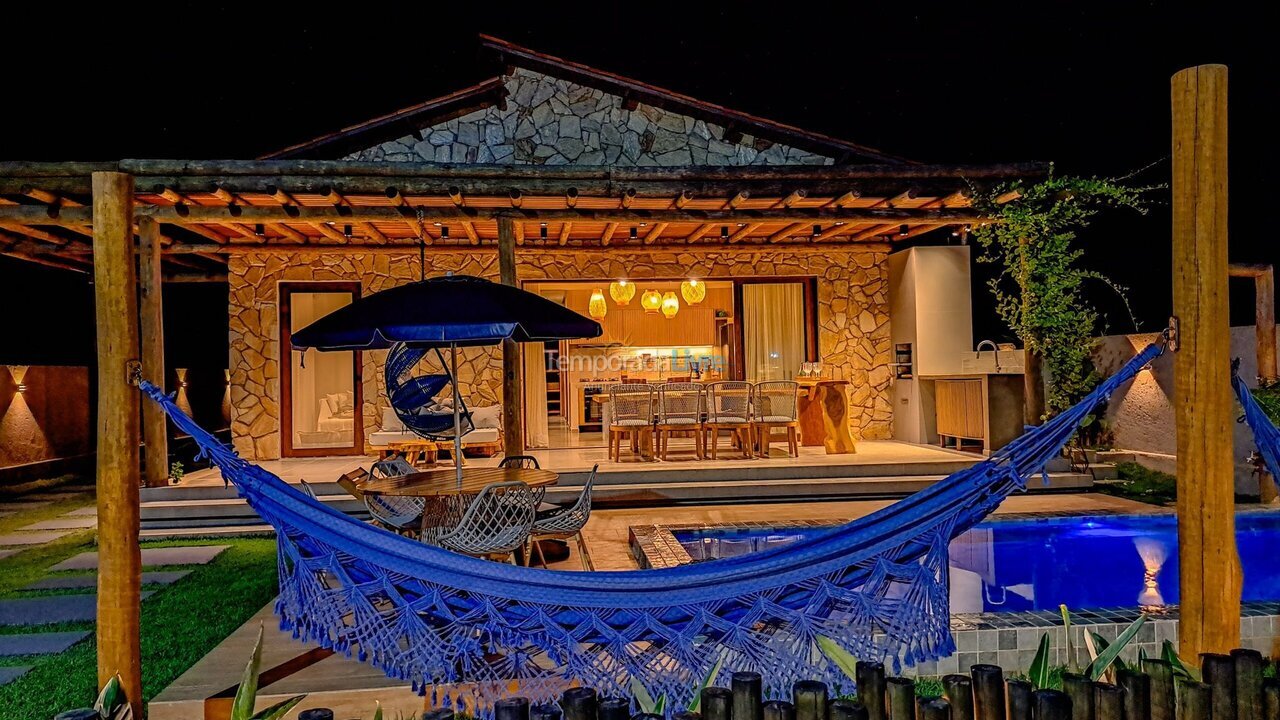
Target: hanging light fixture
[597,308]
[670,305]
[651,301]
[693,291]
[622,291]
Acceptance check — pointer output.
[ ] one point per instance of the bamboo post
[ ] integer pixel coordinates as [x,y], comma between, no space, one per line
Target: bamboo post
[1108,702]
[1195,701]
[1204,412]
[512,387]
[511,708]
[810,699]
[1080,689]
[1249,665]
[614,709]
[545,711]
[958,690]
[1219,672]
[1019,696]
[1137,694]
[988,691]
[687,715]
[1161,698]
[1050,705]
[869,677]
[937,709]
[748,690]
[1271,699]
[843,709]
[779,710]
[119,559]
[154,434]
[579,703]
[716,703]
[901,694]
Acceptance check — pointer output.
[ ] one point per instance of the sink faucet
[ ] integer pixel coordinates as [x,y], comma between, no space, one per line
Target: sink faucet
[995,352]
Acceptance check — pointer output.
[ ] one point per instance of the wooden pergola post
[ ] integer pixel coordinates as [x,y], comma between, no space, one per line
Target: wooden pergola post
[1204,410]
[116,310]
[154,436]
[512,385]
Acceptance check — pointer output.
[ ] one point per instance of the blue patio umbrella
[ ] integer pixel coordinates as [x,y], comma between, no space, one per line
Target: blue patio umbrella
[452,311]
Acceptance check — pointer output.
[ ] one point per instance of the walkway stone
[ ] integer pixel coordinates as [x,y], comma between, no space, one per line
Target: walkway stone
[82,522]
[52,609]
[39,643]
[86,510]
[6,553]
[74,582]
[151,557]
[31,538]
[9,674]
[17,506]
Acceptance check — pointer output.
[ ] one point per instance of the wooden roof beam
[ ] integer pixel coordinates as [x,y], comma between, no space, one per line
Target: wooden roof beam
[654,233]
[682,199]
[519,230]
[788,231]
[744,232]
[339,200]
[738,198]
[792,198]
[845,199]
[697,234]
[565,229]
[834,230]
[607,236]
[397,200]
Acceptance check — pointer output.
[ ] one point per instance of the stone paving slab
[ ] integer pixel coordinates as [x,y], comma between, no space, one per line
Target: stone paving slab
[6,553]
[31,538]
[23,505]
[52,609]
[9,674]
[75,582]
[82,522]
[194,555]
[81,512]
[39,643]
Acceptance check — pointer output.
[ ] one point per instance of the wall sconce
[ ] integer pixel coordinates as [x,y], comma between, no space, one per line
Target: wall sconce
[19,373]
[22,387]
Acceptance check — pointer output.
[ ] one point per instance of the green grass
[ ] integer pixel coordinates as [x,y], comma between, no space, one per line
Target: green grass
[54,509]
[1138,483]
[180,623]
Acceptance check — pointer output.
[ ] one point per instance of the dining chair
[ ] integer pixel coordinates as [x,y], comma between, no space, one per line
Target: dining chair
[564,523]
[776,405]
[679,413]
[728,410]
[529,462]
[495,524]
[632,405]
[401,514]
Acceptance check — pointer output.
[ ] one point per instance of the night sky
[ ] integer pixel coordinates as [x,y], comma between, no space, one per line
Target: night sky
[1084,85]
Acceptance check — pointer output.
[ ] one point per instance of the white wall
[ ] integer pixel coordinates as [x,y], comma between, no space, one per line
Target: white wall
[1141,413]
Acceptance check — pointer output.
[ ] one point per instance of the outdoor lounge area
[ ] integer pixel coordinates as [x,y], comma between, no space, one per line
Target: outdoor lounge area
[565,396]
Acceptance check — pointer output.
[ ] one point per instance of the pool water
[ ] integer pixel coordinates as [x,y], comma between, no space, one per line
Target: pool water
[1037,564]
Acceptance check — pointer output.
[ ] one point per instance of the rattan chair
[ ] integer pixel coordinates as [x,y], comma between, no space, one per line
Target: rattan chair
[679,413]
[565,523]
[400,514]
[632,408]
[531,463]
[776,405]
[495,524]
[728,410]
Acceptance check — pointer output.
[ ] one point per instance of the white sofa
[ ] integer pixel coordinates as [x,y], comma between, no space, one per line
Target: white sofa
[487,432]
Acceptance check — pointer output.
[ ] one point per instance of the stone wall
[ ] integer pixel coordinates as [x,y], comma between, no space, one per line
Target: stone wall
[50,420]
[549,121]
[853,320]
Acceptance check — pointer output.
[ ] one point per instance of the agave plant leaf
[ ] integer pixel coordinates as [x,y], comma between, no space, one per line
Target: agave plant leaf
[247,693]
[1108,655]
[377,712]
[112,703]
[1142,657]
[842,658]
[696,702]
[1066,634]
[643,699]
[282,708]
[1118,664]
[1181,669]
[1038,674]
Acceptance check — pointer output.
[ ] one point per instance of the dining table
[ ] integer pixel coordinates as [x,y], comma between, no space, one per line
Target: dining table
[446,498]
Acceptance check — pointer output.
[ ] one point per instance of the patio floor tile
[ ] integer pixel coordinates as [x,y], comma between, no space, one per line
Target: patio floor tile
[31,538]
[39,643]
[52,609]
[71,582]
[9,674]
[194,555]
[81,522]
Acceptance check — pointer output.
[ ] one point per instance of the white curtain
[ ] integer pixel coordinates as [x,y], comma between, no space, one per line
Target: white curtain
[773,330]
[535,396]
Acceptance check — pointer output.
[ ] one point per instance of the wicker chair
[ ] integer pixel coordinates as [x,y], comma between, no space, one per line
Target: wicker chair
[495,524]
[565,523]
[728,410]
[529,462]
[679,413]
[400,514]
[776,405]
[632,407]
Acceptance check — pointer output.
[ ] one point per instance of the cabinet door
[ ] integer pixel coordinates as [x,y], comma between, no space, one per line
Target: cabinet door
[975,409]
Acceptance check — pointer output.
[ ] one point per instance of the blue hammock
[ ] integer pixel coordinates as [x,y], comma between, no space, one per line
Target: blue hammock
[1265,433]
[414,397]
[465,628]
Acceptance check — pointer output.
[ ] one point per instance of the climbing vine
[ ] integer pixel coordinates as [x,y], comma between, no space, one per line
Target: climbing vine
[1268,396]
[1039,291]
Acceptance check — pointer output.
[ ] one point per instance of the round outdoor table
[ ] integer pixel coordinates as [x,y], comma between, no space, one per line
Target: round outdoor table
[446,500]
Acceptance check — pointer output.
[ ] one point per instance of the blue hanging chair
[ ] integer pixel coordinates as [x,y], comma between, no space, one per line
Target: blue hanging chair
[414,396]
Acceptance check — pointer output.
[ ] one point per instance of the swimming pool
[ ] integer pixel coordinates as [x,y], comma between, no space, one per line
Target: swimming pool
[1036,564]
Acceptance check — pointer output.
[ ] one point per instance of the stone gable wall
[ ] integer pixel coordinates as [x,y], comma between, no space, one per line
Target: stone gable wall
[853,320]
[549,121]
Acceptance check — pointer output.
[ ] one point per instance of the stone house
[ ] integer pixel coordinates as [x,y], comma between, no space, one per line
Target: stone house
[543,112]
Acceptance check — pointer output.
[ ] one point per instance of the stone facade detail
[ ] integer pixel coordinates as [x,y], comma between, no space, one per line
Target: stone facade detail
[550,121]
[853,320]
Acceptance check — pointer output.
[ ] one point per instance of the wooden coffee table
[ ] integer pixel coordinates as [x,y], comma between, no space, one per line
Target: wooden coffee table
[419,453]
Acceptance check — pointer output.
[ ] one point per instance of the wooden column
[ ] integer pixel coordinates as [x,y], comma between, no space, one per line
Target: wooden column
[154,436]
[512,385]
[116,310]
[1204,410]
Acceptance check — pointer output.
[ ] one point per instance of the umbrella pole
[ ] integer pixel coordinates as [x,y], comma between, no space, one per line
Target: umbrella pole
[457,416]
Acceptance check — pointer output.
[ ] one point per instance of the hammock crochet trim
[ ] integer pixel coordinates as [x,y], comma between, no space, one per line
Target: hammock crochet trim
[465,628]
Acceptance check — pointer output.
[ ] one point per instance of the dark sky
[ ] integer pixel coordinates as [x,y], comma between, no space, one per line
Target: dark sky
[1082,84]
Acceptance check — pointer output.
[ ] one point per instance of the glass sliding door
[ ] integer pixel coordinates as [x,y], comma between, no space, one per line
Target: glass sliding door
[322,398]
[774,322]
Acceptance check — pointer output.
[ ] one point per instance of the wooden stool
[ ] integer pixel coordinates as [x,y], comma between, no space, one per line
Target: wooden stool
[419,453]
